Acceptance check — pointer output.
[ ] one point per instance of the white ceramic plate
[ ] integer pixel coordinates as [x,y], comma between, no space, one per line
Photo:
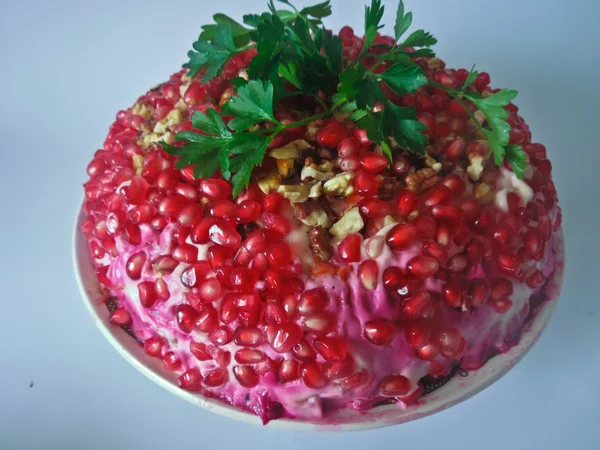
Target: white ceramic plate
[459,388]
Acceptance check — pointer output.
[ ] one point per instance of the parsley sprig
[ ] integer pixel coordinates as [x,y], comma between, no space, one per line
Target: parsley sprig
[296,55]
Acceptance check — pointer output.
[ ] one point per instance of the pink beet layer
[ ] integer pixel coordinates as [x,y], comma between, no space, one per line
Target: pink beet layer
[334,280]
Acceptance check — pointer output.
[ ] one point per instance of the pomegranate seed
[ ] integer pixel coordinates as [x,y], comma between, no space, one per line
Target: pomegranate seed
[288,370]
[373,162]
[368,273]
[452,295]
[401,236]
[335,370]
[217,377]
[407,202]
[458,263]
[224,234]
[248,211]
[158,223]
[200,351]
[330,348]
[456,109]
[482,81]
[447,213]
[162,289]
[395,385]
[470,208]
[312,301]
[437,195]
[223,274]
[474,252]
[199,234]
[207,320]
[349,148]
[194,94]
[478,292]
[419,305]
[171,361]
[356,380]
[422,267]
[393,278]
[221,335]
[502,235]
[285,336]
[223,209]
[312,375]
[303,351]
[190,380]
[274,314]
[136,192]
[248,336]
[426,226]
[451,343]
[535,279]
[186,253]
[332,135]
[135,264]
[210,290]
[193,275]
[132,233]
[186,317]
[373,208]
[147,294]
[141,214]
[190,215]
[273,202]
[289,305]
[456,149]
[153,346]
[349,248]
[532,243]
[401,166]
[172,205]
[244,279]
[502,305]
[366,184]
[319,323]
[215,189]
[120,317]
[167,179]
[249,356]
[276,223]
[501,288]
[246,376]
[279,254]
[508,263]
[454,183]
[436,251]
[379,332]
[219,256]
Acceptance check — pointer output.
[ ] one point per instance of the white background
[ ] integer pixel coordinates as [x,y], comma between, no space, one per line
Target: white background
[66,67]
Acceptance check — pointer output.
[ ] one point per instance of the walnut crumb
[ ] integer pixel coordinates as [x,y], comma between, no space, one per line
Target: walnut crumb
[422,179]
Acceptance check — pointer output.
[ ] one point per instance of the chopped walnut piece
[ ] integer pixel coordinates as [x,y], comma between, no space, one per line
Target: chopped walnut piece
[314,212]
[285,167]
[476,166]
[340,184]
[269,183]
[293,150]
[138,164]
[350,222]
[172,119]
[295,193]
[421,180]
[316,190]
[320,172]
[319,243]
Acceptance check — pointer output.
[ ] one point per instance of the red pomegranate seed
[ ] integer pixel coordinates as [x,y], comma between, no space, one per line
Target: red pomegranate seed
[223,274]
[312,375]
[422,267]
[190,215]
[246,376]
[244,279]
[379,332]
[452,295]
[332,135]
[288,370]
[217,377]
[135,265]
[289,306]
[199,233]
[532,243]
[458,263]
[221,335]
[356,380]
[161,289]
[373,162]
[186,317]
[368,274]
[273,202]
[248,336]
[454,183]
[249,356]
[508,263]
[223,209]
[502,235]
[172,205]
[437,195]
[136,192]
[279,254]
[501,288]
[401,166]
[167,179]
[186,253]
[470,208]
[401,236]
[215,189]
[482,81]
[366,184]
[474,252]
[210,290]
[312,301]
[319,323]
[456,149]
[248,211]
[120,317]
[478,292]
[349,148]
[97,251]
[218,256]
[335,370]
[303,351]
[147,294]
[132,233]
[142,214]
[190,380]
[330,348]
[194,94]
[222,233]
[373,208]
[420,305]
[393,278]
[535,279]
[425,225]
[502,305]
[200,351]
[436,251]
[451,343]
[207,319]
[407,202]
[153,346]
[285,336]
[171,361]
[274,314]
[194,274]
[395,385]
[447,213]
[158,223]
[349,248]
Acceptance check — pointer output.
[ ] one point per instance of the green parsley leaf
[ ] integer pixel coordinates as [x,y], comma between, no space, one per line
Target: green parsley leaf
[401,123]
[252,104]
[290,72]
[244,163]
[419,38]
[210,123]
[241,35]
[373,16]
[318,11]
[517,158]
[470,78]
[368,92]
[403,21]
[402,79]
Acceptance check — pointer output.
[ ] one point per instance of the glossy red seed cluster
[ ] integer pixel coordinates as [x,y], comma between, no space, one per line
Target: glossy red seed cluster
[239,281]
